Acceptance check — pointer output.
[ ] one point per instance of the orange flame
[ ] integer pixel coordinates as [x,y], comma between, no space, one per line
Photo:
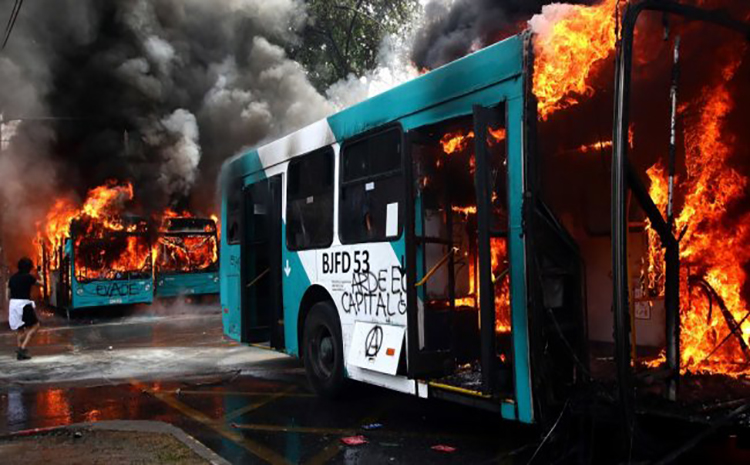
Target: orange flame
[186,252]
[100,252]
[712,247]
[569,41]
[458,141]
[596,146]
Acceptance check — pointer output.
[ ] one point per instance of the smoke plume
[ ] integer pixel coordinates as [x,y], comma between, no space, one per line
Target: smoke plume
[157,92]
[454,28]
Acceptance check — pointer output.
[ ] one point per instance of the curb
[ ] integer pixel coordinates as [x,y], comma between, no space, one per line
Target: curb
[144,426]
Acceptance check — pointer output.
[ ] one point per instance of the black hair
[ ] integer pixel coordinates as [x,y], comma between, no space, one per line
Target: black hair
[25,265]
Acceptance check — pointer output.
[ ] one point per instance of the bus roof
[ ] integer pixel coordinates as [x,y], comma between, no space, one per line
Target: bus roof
[474,72]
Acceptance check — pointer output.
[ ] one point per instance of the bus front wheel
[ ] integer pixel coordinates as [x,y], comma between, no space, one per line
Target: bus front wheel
[324,351]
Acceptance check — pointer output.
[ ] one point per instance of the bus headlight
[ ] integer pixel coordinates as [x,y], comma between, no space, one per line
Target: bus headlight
[147,287]
[161,282]
[216,279]
[79,291]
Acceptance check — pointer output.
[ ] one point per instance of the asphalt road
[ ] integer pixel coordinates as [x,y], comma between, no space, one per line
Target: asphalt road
[251,405]
[247,404]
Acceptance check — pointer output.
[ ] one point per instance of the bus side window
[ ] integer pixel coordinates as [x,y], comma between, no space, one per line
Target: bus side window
[371,198]
[234,212]
[309,203]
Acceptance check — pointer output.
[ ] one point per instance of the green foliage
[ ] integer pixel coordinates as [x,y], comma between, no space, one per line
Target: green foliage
[343,37]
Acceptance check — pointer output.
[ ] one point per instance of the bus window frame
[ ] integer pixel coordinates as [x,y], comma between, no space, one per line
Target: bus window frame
[236,185]
[327,150]
[374,178]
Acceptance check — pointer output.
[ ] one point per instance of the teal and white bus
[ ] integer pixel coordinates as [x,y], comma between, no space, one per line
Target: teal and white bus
[387,243]
[410,242]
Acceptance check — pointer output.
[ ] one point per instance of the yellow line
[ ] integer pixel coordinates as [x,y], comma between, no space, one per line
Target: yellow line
[299,429]
[333,448]
[468,392]
[326,455]
[234,393]
[256,405]
[251,446]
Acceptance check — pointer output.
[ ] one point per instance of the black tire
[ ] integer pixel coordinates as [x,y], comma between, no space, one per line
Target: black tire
[324,351]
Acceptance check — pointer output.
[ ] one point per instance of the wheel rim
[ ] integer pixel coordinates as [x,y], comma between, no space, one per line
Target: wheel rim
[323,353]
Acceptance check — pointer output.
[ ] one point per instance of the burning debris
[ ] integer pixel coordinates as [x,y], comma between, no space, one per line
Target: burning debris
[713,246]
[111,244]
[187,244]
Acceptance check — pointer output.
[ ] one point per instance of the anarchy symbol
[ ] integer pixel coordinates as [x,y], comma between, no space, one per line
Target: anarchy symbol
[373,341]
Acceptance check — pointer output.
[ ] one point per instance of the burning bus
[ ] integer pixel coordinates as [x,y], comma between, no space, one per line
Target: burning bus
[186,256]
[492,233]
[94,255]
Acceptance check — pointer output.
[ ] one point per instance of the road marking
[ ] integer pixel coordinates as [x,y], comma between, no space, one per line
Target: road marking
[257,449]
[256,405]
[333,448]
[298,429]
[235,393]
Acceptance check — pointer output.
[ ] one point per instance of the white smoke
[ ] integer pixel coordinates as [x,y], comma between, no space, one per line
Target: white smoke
[394,68]
[543,23]
[180,158]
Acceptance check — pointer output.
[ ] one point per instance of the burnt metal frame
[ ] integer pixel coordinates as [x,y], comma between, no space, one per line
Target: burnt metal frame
[419,362]
[624,178]
[487,310]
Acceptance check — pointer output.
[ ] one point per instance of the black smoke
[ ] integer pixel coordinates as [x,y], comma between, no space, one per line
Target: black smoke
[155,92]
[454,29]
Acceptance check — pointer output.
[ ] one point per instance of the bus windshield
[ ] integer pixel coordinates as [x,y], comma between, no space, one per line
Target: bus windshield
[187,253]
[113,256]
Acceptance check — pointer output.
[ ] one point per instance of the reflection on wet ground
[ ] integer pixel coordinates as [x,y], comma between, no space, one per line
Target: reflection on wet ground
[277,420]
[263,414]
[252,405]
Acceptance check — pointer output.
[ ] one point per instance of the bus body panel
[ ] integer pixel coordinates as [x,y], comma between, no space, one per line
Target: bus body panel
[177,284]
[376,293]
[114,292]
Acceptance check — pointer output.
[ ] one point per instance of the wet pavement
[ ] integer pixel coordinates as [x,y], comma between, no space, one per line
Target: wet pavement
[247,404]
[252,405]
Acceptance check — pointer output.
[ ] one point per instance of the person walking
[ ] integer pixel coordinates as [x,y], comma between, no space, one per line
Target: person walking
[22,310]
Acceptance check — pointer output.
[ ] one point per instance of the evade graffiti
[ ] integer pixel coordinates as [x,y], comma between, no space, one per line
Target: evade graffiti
[117,289]
[376,293]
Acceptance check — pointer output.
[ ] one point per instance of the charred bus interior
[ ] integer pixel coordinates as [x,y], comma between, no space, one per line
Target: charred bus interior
[659,212]
[186,257]
[92,252]
[460,189]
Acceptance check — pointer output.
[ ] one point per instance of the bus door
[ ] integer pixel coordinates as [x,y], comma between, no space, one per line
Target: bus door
[459,309]
[491,184]
[429,267]
[262,314]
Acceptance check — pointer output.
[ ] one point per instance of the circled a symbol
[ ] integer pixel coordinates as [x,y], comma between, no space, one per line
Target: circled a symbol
[373,341]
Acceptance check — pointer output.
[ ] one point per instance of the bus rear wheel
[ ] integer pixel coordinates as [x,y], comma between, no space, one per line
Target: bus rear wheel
[324,351]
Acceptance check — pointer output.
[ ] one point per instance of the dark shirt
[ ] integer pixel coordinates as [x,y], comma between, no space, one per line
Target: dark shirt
[20,286]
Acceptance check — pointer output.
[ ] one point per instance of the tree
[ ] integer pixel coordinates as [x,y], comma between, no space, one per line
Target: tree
[343,37]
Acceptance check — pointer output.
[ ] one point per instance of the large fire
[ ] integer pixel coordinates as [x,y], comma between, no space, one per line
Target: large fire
[569,41]
[186,244]
[712,253]
[107,244]
[459,141]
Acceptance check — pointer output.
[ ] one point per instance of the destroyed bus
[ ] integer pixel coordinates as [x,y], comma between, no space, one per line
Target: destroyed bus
[186,259]
[95,266]
[482,234]
[94,254]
